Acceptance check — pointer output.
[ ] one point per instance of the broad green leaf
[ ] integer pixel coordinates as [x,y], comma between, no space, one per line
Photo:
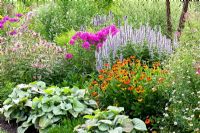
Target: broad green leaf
[7,101]
[103,127]
[57,111]
[49,91]
[116,130]
[66,90]
[106,122]
[21,129]
[139,124]
[88,116]
[78,106]
[28,103]
[115,109]
[44,122]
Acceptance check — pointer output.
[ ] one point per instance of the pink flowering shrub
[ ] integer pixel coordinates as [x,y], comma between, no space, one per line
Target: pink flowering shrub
[88,39]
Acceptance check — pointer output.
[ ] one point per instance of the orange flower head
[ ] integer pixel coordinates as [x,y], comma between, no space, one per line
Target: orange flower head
[127,81]
[149,79]
[94,94]
[106,65]
[132,57]
[130,88]
[147,121]
[101,77]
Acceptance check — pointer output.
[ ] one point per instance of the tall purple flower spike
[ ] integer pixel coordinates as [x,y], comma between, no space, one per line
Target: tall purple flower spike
[155,40]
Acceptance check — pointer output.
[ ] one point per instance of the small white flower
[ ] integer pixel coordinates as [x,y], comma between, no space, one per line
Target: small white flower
[175,123]
[191,124]
[192,116]
[166,115]
[166,108]
[187,109]
[183,95]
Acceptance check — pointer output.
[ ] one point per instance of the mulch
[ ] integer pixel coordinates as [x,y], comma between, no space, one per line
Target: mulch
[10,127]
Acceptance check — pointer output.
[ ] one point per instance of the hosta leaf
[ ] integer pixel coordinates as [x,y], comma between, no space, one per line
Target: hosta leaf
[57,111]
[139,124]
[49,91]
[28,103]
[115,109]
[78,106]
[103,127]
[116,130]
[7,101]
[73,113]
[44,122]
[66,90]
[92,103]
[88,116]
[65,106]
[21,129]
[106,122]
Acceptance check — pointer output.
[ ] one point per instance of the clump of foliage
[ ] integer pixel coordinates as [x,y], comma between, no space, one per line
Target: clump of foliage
[183,110]
[131,84]
[111,121]
[41,106]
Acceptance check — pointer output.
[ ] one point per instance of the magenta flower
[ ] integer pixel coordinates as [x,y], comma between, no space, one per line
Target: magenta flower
[71,42]
[99,45]
[1,26]
[14,32]
[12,20]
[6,18]
[86,45]
[68,56]
[19,15]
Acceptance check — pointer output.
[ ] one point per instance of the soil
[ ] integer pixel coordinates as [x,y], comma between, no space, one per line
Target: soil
[11,127]
[8,127]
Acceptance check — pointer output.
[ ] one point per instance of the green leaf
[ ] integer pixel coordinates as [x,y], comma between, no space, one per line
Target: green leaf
[78,106]
[116,130]
[57,111]
[115,109]
[88,116]
[49,91]
[139,124]
[66,90]
[21,129]
[106,122]
[103,127]
[44,122]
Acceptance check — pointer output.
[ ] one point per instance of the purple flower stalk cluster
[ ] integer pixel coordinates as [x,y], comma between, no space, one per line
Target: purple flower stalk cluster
[95,39]
[6,19]
[156,43]
[102,19]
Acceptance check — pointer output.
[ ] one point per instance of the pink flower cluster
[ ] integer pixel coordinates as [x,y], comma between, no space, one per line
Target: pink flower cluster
[95,39]
[8,19]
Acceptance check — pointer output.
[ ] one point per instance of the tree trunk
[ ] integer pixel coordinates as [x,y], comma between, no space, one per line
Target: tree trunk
[169,23]
[183,17]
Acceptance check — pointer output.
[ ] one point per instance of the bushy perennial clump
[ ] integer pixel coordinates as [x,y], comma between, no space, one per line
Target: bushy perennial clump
[156,43]
[41,106]
[131,84]
[111,121]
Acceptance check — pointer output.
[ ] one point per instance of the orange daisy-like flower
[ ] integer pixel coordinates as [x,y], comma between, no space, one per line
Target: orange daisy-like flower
[130,88]
[137,90]
[127,81]
[132,57]
[149,79]
[106,65]
[94,94]
[94,82]
[147,121]
[101,77]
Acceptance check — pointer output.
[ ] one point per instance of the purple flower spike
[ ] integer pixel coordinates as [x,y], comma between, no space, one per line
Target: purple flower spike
[14,32]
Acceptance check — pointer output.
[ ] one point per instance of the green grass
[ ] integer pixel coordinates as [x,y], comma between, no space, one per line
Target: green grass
[67,126]
[2,131]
